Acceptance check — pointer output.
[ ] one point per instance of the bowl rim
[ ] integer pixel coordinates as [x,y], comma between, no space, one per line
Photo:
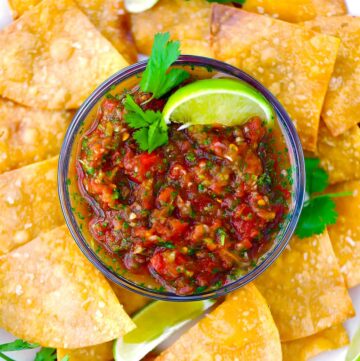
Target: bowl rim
[298,170]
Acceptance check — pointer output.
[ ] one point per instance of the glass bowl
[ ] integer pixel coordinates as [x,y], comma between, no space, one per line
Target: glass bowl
[296,160]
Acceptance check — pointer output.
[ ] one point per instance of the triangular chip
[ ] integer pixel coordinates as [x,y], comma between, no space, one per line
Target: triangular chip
[29,203]
[305,288]
[305,348]
[52,295]
[296,10]
[187,21]
[241,328]
[340,156]
[108,16]
[29,135]
[345,234]
[294,63]
[102,352]
[53,57]
[342,102]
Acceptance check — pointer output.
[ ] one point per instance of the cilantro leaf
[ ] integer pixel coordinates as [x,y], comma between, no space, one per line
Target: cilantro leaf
[46,354]
[151,127]
[156,78]
[315,216]
[319,209]
[17,345]
[241,2]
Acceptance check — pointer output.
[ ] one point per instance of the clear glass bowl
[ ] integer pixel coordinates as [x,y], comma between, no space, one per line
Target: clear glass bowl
[296,159]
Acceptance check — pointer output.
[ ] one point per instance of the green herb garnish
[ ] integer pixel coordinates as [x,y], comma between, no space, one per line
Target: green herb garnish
[157,79]
[49,354]
[151,128]
[319,209]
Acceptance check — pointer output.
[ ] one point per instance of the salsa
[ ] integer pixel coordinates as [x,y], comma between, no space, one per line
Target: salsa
[194,214]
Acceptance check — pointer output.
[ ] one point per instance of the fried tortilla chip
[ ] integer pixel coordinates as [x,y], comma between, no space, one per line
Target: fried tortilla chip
[296,10]
[29,135]
[53,57]
[102,352]
[131,301]
[294,63]
[305,348]
[342,102]
[29,203]
[345,234]
[305,288]
[241,328]
[52,295]
[187,21]
[108,16]
[340,156]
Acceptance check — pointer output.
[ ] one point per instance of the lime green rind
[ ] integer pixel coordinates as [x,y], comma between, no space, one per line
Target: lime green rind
[353,353]
[155,323]
[225,101]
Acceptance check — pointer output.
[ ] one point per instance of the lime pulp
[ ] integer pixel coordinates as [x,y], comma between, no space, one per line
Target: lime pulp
[223,100]
[155,323]
[138,6]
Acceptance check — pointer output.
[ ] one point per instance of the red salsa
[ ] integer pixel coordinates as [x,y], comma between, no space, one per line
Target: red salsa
[196,213]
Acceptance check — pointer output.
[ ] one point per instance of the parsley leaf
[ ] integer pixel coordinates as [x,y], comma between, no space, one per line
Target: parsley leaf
[151,127]
[17,345]
[319,209]
[241,2]
[157,79]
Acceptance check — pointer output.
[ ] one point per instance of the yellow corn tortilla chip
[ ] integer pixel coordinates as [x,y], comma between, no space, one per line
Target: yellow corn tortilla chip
[53,57]
[108,16]
[241,328]
[305,288]
[52,295]
[102,352]
[340,156]
[29,203]
[29,135]
[131,301]
[305,348]
[294,63]
[345,234]
[187,21]
[342,102]
[296,10]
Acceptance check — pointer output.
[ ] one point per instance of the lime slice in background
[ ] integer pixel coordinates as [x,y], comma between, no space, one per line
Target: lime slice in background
[137,6]
[155,323]
[225,101]
[353,353]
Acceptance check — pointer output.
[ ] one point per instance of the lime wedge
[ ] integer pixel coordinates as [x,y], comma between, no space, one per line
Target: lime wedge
[138,6]
[225,101]
[155,323]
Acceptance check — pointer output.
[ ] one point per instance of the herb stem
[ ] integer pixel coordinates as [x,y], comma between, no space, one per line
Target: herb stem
[6,358]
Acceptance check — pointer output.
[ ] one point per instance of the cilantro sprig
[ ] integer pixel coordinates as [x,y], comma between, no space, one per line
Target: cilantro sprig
[45,353]
[319,209]
[151,127]
[157,79]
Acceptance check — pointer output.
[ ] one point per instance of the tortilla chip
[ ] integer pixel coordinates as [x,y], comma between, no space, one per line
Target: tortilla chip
[108,16]
[53,57]
[345,234]
[305,288]
[131,301]
[294,63]
[340,156]
[241,328]
[305,348]
[102,352]
[187,21]
[296,10]
[52,295]
[29,203]
[29,135]
[342,102]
